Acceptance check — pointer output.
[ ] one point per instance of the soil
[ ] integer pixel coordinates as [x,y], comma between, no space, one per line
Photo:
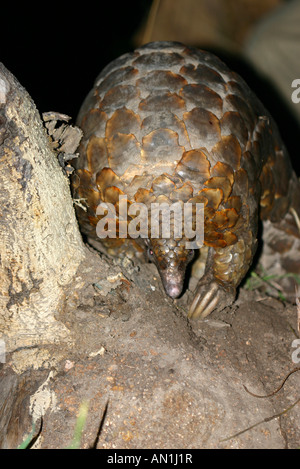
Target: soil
[152,378]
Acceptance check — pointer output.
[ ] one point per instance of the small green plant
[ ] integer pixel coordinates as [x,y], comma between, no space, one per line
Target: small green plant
[255,281]
[27,443]
[79,427]
[80,424]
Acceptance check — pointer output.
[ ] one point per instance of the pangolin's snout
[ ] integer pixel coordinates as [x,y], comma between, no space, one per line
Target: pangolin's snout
[173,289]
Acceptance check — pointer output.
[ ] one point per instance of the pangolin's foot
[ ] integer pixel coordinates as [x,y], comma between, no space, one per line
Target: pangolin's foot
[209,297]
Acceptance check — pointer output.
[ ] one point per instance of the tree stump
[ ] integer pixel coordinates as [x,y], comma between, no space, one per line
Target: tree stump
[40,244]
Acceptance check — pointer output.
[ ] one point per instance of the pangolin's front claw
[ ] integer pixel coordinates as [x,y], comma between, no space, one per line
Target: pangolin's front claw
[210,297]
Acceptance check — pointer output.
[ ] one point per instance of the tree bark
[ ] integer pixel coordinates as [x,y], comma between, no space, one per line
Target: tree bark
[40,244]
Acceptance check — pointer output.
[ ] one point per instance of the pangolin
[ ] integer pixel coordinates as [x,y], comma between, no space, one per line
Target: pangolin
[168,123]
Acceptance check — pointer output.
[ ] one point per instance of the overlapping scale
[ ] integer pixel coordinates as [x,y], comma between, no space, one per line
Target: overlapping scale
[123,121]
[248,164]
[162,185]
[161,80]
[120,75]
[183,193]
[166,120]
[228,150]
[227,218]
[117,146]
[144,196]
[161,144]
[194,167]
[96,154]
[107,178]
[223,170]
[158,61]
[218,182]
[214,197]
[232,123]
[94,123]
[204,75]
[202,96]
[233,102]
[112,194]
[161,99]
[203,128]
[240,186]
[234,202]
[118,97]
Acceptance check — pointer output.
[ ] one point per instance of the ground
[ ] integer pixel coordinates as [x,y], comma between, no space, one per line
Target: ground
[161,381]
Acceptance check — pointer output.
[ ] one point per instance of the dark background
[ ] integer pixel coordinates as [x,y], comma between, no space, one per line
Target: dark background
[56,50]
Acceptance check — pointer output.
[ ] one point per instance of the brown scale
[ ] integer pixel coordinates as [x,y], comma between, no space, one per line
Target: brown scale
[168,123]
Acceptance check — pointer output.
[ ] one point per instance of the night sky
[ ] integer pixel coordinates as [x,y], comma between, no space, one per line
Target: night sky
[56,55]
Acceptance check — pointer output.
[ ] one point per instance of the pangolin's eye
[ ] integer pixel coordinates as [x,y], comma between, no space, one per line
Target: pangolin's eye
[150,253]
[190,254]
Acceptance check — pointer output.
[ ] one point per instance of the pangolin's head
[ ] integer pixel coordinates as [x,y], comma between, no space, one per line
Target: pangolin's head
[171,258]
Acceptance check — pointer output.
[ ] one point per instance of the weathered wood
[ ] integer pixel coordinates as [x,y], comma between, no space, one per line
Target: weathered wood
[40,245]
